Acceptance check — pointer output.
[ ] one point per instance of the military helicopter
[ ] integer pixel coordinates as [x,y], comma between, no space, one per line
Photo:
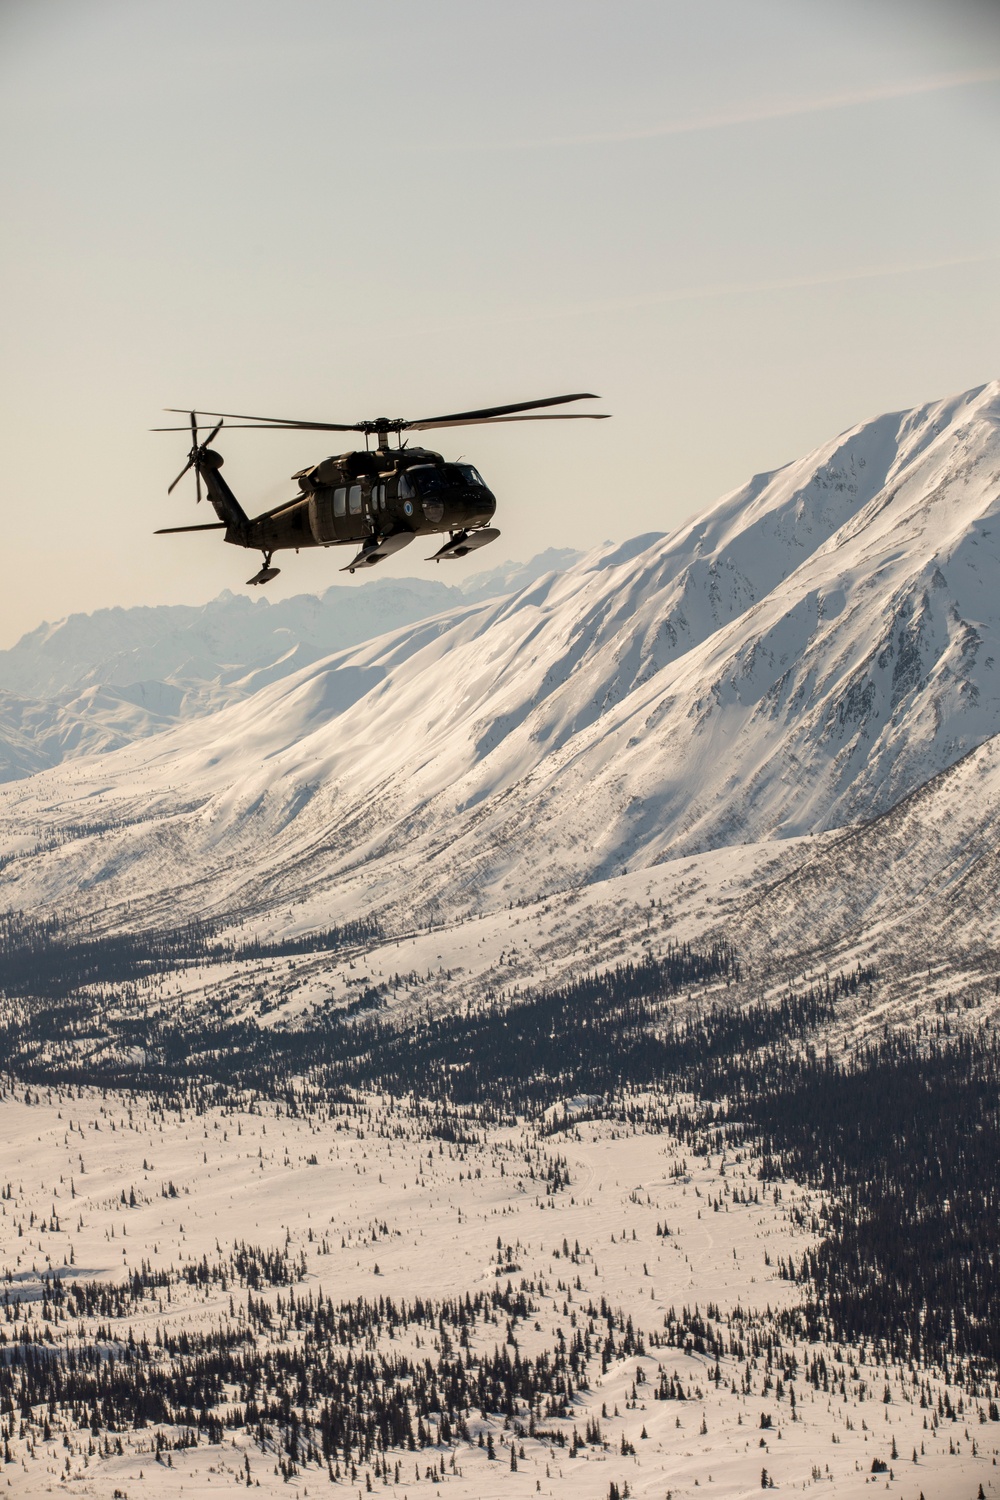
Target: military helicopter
[377,499]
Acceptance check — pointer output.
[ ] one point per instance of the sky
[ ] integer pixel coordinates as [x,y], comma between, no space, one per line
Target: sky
[745,224]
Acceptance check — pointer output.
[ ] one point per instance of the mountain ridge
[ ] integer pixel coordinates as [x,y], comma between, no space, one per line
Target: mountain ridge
[90,684]
[796,659]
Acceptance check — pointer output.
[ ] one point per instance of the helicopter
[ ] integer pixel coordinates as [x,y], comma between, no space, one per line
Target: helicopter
[376,499]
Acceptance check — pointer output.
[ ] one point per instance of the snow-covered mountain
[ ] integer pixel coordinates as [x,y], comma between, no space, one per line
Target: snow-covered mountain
[798,658]
[93,683]
[774,735]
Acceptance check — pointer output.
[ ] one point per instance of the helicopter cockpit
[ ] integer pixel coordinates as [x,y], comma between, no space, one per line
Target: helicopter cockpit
[457,489]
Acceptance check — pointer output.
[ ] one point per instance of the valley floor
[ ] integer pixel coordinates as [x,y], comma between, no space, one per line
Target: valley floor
[371,1199]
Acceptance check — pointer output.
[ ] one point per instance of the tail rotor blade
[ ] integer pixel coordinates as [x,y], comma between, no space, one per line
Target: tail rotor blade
[194,453]
[180,476]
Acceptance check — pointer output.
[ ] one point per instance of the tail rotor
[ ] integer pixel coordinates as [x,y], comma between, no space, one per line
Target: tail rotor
[197,449]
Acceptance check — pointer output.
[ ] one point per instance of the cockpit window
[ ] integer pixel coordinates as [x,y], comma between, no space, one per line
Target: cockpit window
[429,479]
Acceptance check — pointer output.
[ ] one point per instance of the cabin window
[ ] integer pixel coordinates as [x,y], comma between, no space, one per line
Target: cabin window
[380,497]
[355,500]
[340,501]
[406,490]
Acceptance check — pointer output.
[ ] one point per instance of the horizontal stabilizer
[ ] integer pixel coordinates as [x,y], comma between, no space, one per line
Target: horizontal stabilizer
[205,526]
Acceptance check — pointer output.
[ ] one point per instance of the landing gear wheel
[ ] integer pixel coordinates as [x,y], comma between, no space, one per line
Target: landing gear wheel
[266,573]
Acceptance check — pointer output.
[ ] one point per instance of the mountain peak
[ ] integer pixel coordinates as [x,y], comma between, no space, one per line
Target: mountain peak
[798,657]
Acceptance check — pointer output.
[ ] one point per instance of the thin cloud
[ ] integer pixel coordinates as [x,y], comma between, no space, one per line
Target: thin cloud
[782,284]
[711,291]
[760,113]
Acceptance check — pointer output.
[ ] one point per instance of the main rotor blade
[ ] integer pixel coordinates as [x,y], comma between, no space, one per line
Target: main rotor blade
[499,411]
[184,428]
[205,526]
[269,421]
[483,414]
[552,416]
[276,427]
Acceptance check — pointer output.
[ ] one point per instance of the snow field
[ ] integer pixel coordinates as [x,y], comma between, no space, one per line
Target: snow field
[429,1214]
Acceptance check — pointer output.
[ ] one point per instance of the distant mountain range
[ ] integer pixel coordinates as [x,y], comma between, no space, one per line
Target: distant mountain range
[792,701]
[92,683]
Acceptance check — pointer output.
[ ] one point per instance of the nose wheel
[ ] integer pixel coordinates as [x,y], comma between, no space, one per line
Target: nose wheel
[266,573]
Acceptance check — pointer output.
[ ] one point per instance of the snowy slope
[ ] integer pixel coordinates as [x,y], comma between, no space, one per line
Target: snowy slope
[798,658]
[92,683]
[37,733]
[909,889]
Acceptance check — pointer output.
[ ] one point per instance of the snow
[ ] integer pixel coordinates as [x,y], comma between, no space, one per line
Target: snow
[795,661]
[93,683]
[402,1210]
[778,725]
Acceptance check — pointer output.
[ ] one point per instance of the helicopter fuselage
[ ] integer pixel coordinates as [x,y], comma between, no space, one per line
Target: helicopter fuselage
[411,490]
[379,500]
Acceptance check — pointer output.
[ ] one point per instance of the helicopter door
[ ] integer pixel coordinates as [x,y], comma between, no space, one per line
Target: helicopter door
[327,508]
